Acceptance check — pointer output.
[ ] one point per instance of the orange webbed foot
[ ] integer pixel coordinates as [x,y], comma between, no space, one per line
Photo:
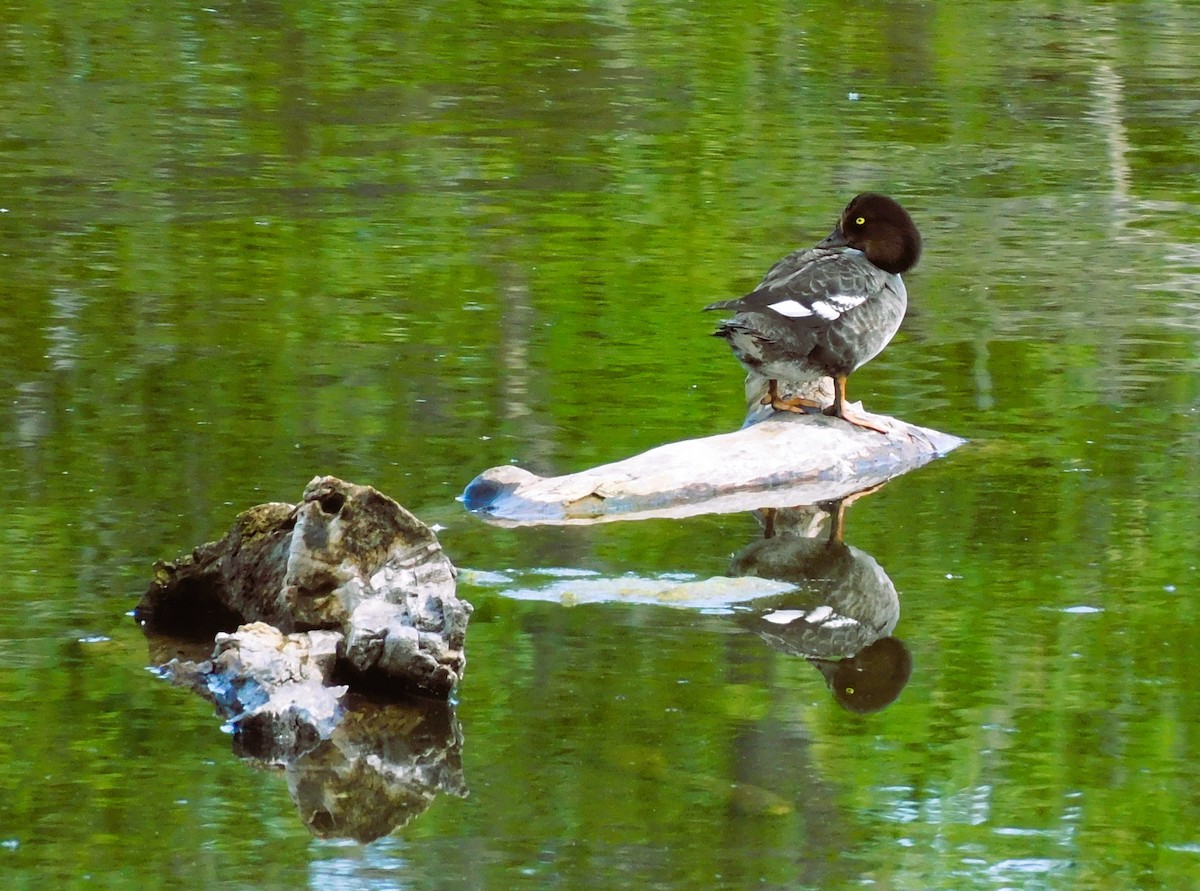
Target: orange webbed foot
[856,419]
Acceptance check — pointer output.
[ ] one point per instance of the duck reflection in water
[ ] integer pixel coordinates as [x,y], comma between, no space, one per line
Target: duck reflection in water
[843,614]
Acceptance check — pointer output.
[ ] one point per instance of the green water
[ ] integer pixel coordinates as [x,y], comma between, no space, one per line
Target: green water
[244,244]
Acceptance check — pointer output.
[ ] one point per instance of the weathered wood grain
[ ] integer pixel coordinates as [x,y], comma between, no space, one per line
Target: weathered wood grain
[784,460]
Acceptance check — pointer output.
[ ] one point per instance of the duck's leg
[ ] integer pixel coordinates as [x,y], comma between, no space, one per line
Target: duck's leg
[772,393]
[768,521]
[795,404]
[838,409]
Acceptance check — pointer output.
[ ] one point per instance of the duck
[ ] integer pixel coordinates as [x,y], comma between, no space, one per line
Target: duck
[827,310]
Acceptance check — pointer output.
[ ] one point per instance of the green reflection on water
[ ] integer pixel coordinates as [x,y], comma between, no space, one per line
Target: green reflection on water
[245,244]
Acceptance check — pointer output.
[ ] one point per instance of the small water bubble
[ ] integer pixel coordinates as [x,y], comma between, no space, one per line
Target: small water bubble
[852,96]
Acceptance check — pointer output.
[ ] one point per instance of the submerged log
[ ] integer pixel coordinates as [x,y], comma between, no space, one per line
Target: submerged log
[777,459]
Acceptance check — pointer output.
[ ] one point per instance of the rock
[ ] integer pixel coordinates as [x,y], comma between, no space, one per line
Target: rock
[346,559]
[271,687]
[389,639]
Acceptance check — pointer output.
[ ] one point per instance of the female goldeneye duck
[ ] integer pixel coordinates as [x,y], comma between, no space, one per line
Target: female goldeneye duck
[830,309]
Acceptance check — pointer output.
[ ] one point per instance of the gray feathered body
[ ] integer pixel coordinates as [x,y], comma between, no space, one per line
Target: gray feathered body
[817,312]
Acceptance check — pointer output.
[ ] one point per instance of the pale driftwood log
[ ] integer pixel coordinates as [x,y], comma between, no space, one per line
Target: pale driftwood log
[778,459]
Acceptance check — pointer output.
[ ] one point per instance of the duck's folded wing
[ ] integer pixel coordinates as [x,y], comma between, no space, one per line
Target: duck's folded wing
[820,290]
[795,268]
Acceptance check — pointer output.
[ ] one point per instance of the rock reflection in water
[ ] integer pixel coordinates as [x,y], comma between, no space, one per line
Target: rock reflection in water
[841,616]
[382,766]
[357,766]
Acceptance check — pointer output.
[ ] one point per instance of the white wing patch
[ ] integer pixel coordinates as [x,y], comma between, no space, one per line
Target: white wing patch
[828,311]
[791,309]
[829,308]
[822,615]
[846,302]
[784,616]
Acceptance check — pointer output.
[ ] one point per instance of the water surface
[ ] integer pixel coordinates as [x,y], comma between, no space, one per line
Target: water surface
[246,244]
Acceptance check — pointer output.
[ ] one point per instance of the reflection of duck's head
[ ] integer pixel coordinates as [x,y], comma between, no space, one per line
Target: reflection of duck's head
[872,678]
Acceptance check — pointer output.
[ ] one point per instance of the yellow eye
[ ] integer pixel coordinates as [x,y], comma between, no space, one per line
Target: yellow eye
[860,221]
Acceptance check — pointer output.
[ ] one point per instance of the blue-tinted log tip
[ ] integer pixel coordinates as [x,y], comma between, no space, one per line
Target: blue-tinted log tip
[481,494]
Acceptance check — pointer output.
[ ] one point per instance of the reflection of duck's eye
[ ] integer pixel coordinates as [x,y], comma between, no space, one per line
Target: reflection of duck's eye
[860,221]
[849,691]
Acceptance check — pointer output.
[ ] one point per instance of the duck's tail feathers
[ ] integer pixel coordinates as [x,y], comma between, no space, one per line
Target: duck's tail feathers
[724,304]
